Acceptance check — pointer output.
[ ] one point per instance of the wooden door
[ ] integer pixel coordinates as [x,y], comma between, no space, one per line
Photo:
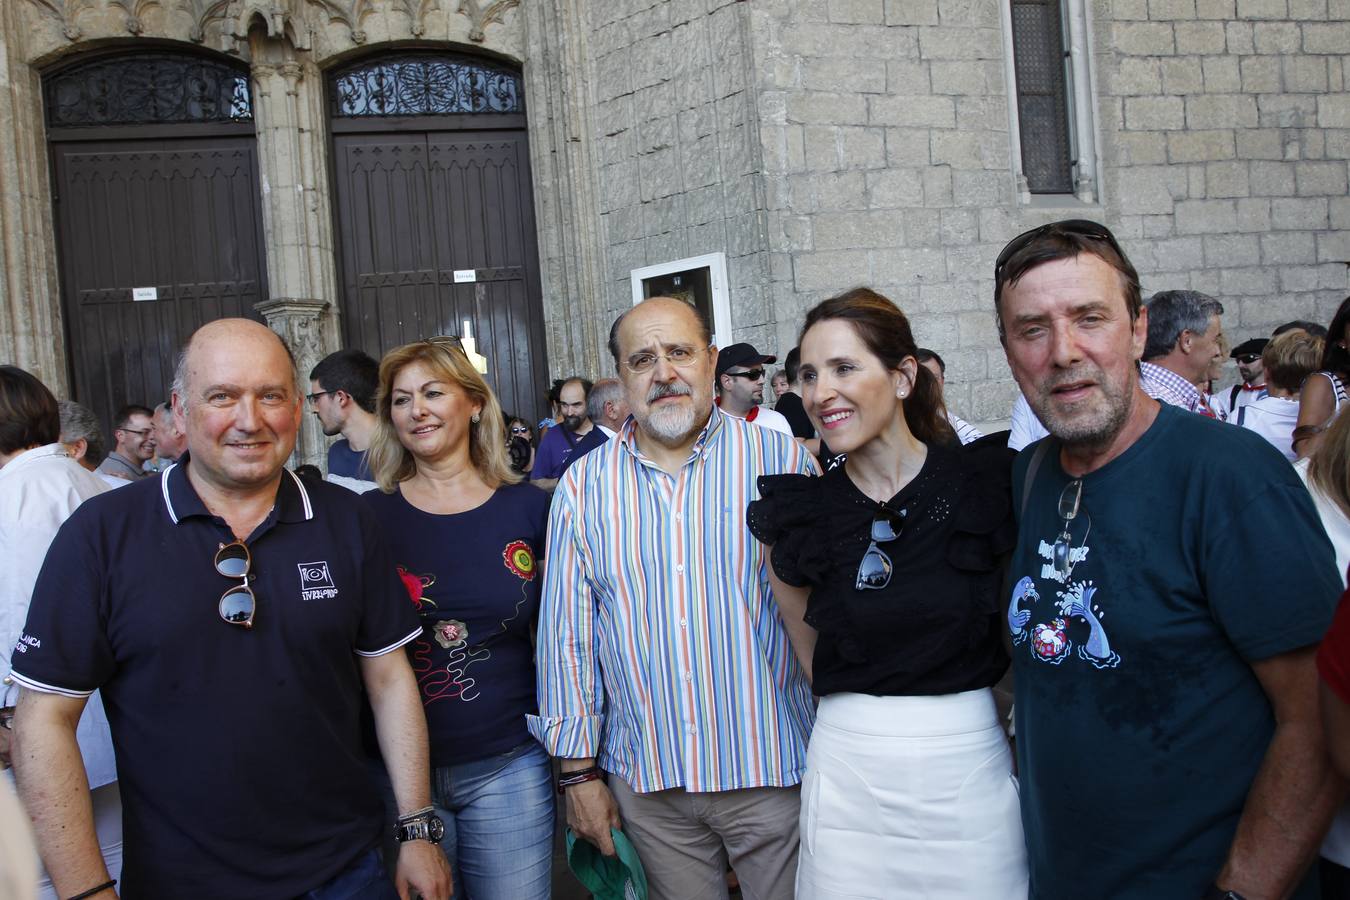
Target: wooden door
[178,218]
[435,217]
[157,214]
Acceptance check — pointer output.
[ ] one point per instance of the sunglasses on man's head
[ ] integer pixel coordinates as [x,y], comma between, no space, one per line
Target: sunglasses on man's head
[1078,227]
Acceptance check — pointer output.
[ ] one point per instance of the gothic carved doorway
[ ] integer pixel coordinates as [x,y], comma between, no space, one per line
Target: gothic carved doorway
[159,230]
[435,217]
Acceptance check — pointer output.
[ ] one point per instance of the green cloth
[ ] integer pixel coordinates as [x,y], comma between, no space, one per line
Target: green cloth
[607,877]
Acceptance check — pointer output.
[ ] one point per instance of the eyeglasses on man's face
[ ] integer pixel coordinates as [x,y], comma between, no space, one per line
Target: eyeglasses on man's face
[1248,358]
[679,357]
[140,433]
[312,398]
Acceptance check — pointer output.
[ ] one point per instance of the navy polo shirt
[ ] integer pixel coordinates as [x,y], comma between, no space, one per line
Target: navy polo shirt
[238,751]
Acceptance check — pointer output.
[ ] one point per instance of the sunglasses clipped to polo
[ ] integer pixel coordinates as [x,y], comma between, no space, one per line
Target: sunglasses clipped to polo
[1078,227]
[238,604]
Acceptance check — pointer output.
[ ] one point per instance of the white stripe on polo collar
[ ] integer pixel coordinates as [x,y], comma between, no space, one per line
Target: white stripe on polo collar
[304,494]
[168,504]
[164,489]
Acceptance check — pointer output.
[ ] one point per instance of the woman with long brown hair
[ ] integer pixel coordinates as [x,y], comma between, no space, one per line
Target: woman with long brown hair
[892,559]
[468,539]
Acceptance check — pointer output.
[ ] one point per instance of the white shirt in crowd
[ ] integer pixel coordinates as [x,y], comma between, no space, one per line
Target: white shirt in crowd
[1026,428]
[39,489]
[1274,419]
[767,418]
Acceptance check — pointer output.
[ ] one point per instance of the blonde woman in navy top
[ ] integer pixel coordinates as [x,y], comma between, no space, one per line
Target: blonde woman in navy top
[468,540]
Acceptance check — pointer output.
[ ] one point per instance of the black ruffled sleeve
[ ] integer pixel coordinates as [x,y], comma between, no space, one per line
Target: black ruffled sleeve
[785,517]
[984,529]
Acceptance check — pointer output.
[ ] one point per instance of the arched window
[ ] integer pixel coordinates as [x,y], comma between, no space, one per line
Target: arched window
[424,85]
[148,89]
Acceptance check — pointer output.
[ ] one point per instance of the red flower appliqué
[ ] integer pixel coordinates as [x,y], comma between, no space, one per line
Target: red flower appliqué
[519,558]
[416,586]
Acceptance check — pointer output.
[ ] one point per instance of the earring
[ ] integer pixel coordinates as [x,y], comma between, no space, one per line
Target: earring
[474,418]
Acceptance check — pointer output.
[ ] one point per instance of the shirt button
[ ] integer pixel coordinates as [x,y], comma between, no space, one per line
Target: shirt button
[693,729]
[679,517]
[688,676]
[684,623]
[8,680]
[679,567]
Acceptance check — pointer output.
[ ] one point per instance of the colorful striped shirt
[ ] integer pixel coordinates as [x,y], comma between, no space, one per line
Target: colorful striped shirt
[661,650]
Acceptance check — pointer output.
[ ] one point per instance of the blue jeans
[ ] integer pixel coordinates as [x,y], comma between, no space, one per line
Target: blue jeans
[498,815]
[364,879]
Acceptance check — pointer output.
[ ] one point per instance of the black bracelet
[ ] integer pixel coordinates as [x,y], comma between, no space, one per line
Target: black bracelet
[112,882]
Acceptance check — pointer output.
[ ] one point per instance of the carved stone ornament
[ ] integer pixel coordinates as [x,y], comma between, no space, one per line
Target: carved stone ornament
[296,18]
[483,15]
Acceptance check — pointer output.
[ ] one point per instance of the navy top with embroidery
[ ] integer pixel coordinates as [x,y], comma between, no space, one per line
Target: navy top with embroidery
[230,741]
[475,579]
[349,463]
[934,629]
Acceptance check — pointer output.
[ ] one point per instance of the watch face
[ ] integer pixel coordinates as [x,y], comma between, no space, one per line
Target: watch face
[435,829]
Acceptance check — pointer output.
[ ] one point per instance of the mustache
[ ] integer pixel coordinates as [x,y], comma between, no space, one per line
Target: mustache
[668,390]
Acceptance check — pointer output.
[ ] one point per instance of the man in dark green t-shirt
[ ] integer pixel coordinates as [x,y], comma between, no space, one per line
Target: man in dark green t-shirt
[1169,588]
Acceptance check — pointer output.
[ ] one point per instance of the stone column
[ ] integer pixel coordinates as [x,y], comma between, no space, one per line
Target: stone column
[300,323]
[567,205]
[30,300]
[297,222]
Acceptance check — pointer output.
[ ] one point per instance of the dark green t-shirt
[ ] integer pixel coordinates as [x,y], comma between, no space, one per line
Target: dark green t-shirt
[1140,723]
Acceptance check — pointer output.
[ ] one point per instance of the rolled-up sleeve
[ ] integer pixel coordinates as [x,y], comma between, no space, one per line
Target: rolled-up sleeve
[571,697]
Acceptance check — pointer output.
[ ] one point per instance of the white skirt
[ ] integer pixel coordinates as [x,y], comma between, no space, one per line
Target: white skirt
[910,797]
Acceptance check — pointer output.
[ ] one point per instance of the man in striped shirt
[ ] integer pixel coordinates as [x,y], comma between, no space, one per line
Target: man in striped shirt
[663,660]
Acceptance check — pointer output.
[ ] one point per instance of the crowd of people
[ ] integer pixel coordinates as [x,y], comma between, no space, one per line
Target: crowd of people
[747,645]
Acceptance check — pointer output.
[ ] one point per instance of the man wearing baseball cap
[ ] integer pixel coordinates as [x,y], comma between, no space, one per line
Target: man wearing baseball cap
[740,387]
[1253,386]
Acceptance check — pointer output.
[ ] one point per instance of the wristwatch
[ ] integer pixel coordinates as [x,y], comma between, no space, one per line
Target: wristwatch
[426,826]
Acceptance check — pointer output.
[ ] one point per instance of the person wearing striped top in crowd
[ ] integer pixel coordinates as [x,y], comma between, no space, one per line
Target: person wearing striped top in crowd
[663,658]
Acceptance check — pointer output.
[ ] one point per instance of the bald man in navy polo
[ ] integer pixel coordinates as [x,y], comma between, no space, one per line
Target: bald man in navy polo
[230,614]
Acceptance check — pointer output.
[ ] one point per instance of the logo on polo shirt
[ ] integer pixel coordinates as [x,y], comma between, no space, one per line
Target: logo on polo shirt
[315,581]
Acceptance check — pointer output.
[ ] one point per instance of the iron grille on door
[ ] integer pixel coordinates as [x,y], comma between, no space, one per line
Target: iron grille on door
[1042,95]
[434,213]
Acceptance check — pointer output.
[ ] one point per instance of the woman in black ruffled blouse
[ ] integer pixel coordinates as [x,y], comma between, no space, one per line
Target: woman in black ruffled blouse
[887,571]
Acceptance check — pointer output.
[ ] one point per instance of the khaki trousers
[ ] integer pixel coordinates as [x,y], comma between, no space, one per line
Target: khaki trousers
[685,840]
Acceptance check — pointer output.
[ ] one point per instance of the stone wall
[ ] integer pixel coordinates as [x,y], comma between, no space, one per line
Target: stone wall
[678,161]
[887,160]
